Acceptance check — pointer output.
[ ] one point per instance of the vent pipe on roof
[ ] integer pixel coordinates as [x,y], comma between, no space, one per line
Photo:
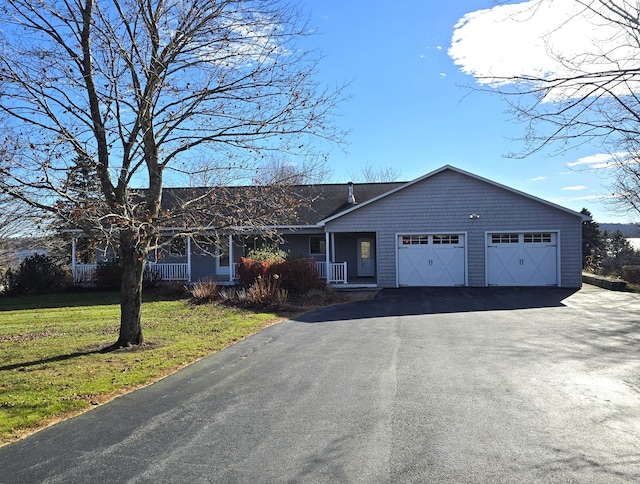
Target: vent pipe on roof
[351,199]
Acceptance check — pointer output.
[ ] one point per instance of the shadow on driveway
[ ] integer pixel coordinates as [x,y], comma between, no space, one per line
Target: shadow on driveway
[407,301]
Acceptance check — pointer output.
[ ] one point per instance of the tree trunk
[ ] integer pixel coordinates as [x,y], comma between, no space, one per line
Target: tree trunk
[133,259]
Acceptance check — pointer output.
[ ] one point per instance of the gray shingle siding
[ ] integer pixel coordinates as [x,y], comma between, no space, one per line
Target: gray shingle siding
[443,203]
[298,245]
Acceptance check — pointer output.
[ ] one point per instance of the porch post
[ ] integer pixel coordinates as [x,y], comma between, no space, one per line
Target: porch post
[73,257]
[188,258]
[231,258]
[333,247]
[326,249]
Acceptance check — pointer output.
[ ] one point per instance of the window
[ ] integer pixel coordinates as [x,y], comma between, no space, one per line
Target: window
[222,252]
[504,238]
[445,239]
[415,239]
[532,238]
[317,245]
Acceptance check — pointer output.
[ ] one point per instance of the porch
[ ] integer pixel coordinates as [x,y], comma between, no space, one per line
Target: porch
[332,272]
[187,262]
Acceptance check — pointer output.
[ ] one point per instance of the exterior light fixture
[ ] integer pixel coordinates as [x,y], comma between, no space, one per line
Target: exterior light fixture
[474,215]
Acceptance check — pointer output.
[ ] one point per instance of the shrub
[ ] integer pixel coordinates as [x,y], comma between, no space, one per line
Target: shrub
[205,290]
[267,254]
[174,289]
[109,275]
[299,276]
[249,270]
[151,277]
[37,274]
[266,291]
[631,273]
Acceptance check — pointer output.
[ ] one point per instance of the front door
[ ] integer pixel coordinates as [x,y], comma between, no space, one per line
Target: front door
[366,257]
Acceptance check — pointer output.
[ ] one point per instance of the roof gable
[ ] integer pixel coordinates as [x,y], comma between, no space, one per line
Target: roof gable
[457,170]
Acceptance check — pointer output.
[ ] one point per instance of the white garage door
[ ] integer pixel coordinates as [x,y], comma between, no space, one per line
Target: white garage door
[522,259]
[431,260]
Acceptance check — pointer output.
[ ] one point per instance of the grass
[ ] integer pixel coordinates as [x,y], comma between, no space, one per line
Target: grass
[51,367]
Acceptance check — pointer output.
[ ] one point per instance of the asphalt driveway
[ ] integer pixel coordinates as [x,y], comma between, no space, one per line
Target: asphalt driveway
[418,385]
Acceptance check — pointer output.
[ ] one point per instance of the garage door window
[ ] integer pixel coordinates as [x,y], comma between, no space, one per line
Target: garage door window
[445,239]
[505,238]
[415,239]
[537,238]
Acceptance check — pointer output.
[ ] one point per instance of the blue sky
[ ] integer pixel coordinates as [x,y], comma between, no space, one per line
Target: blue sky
[412,108]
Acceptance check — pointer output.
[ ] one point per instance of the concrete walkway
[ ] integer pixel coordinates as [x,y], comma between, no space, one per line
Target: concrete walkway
[418,385]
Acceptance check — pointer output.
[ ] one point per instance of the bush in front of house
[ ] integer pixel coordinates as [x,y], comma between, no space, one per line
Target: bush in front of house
[631,273]
[267,254]
[109,275]
[37,274]
[267,292]
[205,291]
[249,270]
[299,276]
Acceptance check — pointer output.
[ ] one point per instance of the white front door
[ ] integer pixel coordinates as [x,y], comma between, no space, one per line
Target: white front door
[522,259]
[431,260]
[366,257]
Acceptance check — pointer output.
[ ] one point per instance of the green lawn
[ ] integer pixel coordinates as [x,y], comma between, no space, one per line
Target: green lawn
[51,367]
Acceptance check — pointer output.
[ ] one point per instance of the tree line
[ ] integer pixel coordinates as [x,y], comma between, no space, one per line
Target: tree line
[608,253]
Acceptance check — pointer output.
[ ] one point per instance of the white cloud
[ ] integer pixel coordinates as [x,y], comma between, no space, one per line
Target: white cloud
[601,160]
[542,38]
[575,188]
[593,197]
[539,178]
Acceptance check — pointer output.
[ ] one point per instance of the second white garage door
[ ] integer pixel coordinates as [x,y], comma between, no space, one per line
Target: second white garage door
[522,259]
[431,260]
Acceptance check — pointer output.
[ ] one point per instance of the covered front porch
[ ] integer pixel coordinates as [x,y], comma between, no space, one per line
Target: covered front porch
[188,262]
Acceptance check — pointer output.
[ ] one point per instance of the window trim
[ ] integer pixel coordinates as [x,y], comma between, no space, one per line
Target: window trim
[322,244]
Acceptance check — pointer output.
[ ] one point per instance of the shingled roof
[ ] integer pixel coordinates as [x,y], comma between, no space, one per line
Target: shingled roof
[326,200]
[331,199]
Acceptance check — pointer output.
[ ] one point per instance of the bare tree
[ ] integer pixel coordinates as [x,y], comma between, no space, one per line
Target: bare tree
[593,97]
[276,170]
[373,174]
[17,222]
[136,89]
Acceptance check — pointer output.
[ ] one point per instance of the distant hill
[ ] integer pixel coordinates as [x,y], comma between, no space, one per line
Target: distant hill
[629,230]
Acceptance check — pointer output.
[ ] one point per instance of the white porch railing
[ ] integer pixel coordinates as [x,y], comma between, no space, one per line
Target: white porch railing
[170,272]
[336,272]
[333,272]
[86,273]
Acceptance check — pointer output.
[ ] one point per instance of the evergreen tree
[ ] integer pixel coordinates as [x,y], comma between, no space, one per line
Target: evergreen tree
[619,253]
[591,242]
